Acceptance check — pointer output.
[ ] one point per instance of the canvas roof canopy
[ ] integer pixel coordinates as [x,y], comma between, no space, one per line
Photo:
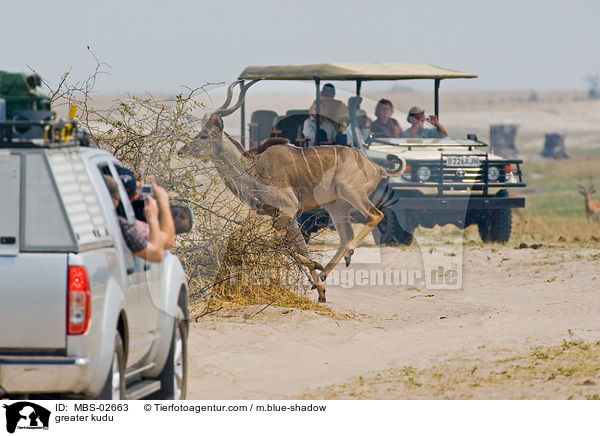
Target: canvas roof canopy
[352,71]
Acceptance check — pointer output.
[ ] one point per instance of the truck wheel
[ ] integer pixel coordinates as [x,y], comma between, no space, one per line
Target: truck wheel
[173,377]
[389,231]
[496,226]
[484,228]
[501,225]
[114,387]
[311,222]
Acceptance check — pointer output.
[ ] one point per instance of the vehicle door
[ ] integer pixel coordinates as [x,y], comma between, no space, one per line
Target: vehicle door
[142,315]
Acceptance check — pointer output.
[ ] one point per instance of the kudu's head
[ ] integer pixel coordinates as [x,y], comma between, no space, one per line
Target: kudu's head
[211,133]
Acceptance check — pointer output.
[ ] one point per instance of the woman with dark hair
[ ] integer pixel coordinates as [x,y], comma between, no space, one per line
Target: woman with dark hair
[385,125]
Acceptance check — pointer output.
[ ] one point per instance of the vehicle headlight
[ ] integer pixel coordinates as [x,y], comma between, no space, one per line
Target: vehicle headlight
[423,174]
[493,174]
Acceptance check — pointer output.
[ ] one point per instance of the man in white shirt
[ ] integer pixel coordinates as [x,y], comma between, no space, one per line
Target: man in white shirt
[326,133]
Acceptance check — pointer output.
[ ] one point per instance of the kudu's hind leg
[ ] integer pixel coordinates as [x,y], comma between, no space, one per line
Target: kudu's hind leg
[340,215]
[372,216]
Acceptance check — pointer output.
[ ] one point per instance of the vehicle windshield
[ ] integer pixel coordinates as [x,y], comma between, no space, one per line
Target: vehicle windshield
[426,142]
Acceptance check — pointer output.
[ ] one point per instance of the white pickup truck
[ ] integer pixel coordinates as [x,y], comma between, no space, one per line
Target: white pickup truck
[80,316]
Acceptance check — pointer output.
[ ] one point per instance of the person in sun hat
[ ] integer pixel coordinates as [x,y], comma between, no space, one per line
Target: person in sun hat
[416,117]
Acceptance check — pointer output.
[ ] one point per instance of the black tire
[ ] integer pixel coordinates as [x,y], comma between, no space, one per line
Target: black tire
[173,377]
[114,387]
[312,222]
[496,226]
[501,225]
[389,231]
[484,226]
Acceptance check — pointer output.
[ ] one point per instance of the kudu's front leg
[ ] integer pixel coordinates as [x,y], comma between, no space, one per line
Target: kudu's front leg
[293,237]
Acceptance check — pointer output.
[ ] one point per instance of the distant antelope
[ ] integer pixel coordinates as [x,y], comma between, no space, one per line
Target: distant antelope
[281,180]
[592,207]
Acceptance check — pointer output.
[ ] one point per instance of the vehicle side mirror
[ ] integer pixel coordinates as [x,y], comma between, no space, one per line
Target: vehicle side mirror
[183,219]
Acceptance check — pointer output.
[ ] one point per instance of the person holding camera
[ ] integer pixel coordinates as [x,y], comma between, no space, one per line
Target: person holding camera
[161,230]
[416,117]
[137,194]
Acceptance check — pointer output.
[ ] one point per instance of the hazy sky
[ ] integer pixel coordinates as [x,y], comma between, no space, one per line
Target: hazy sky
[163,45]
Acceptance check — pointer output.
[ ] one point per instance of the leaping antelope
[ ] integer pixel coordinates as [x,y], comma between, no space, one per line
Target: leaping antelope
[592,207]
[283,180]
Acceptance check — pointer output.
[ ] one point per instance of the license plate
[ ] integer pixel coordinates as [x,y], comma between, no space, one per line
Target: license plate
[459,161]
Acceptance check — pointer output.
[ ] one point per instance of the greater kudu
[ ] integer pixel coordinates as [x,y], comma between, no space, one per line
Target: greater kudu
[283,180]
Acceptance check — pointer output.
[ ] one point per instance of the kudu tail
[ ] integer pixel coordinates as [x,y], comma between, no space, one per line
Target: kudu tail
[398,171]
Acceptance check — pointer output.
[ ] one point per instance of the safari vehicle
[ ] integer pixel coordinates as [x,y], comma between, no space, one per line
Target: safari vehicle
[80,316]
[448,180]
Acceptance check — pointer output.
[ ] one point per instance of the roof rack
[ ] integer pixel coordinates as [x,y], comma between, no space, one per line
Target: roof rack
[44,134]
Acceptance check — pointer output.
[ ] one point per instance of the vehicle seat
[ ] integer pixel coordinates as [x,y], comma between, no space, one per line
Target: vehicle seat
[261,125]
[290,126]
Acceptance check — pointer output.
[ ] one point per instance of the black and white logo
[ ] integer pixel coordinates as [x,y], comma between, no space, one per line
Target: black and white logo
[26,415]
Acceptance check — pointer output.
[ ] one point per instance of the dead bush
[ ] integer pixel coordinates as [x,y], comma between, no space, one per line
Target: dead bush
[232,256]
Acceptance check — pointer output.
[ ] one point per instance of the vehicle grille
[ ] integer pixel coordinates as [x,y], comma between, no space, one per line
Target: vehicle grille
[466,175]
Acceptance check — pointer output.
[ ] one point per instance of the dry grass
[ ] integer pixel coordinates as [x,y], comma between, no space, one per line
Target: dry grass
[256,266]
[252,295]
[569,371]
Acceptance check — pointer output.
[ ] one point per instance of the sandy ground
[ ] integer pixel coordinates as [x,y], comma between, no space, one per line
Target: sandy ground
[510,301]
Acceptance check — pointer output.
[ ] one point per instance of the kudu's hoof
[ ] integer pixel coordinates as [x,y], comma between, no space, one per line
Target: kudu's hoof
[348,258]
[322,300]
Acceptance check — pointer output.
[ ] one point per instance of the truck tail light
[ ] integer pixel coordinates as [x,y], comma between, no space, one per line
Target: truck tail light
[508,168]
[78,301]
